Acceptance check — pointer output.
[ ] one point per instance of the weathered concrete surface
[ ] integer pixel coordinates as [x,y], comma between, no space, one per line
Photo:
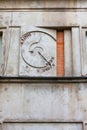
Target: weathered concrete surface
[68,52]
[43,102]
[43,4]
[12,64]
[5,19]
[84,50]
[76,52]
[50,19]
[42,126]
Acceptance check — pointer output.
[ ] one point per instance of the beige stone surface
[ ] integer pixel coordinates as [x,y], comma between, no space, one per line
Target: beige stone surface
[42,126]
[42,4]
[47,19]
[84,51]
[5,19]
[76,54]
[68,52]
[43,102]
[12,62]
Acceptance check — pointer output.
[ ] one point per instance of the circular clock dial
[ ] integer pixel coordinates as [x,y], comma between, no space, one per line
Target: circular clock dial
[37,49]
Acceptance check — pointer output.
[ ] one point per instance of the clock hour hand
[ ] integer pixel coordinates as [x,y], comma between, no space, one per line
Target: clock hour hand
[44,58]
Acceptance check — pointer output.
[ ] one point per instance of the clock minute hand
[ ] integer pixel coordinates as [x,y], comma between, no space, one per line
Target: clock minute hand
[44,58]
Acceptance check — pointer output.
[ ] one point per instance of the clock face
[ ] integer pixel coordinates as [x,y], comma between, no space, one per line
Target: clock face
[38,54]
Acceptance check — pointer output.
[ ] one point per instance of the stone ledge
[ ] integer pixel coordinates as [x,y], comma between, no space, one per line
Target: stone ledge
[43,79]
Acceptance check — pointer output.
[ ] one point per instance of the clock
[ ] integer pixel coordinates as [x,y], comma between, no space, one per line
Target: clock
[38,54]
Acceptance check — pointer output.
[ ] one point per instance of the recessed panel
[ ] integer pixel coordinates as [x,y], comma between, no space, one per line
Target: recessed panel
[37,52]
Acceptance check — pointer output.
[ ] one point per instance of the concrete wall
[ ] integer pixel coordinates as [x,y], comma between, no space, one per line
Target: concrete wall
[50,14]
[44,105]
[43,102]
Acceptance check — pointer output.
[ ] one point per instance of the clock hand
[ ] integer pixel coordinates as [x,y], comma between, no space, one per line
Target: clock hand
[44,58]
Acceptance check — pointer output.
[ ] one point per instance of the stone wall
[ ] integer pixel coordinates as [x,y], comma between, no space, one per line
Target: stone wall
[44,105]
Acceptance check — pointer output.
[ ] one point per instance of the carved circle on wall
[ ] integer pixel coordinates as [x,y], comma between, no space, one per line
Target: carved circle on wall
[36,49]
